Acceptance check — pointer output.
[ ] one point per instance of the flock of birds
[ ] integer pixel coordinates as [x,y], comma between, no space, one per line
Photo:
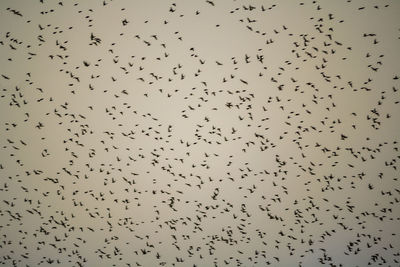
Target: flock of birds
[207,133]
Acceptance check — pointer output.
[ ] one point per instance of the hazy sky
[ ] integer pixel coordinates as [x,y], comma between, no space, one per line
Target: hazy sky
[199,133]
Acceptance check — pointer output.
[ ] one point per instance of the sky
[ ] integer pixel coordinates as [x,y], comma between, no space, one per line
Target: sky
[199,133]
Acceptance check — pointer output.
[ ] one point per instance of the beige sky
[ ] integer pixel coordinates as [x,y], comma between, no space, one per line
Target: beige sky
[142,147]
